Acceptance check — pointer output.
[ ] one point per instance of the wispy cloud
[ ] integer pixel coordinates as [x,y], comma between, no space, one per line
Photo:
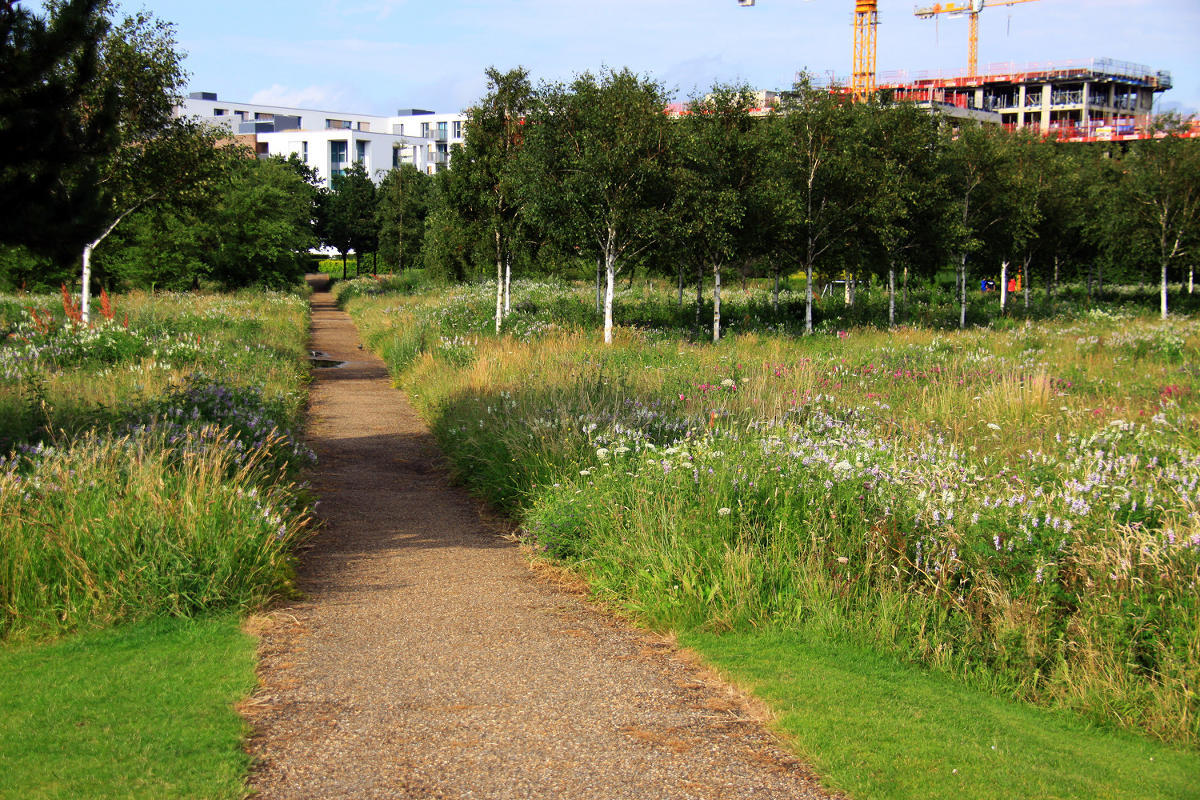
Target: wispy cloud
[307,97]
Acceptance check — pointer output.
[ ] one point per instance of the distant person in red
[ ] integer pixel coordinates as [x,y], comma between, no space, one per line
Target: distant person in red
[1012,285]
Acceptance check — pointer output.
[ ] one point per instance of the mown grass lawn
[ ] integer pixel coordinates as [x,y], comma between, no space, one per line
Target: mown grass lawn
[876,728]
[139,711]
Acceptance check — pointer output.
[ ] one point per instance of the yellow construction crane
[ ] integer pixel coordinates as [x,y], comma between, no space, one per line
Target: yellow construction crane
[971,9]
[866,22]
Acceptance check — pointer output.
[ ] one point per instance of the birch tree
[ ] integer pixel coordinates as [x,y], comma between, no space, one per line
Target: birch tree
[807,177]
[1162,188]
[718,164]
[157,157]
[487,167]
[597,167]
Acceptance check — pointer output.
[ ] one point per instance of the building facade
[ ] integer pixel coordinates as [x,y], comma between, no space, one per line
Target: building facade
[330,141]
[1093,98]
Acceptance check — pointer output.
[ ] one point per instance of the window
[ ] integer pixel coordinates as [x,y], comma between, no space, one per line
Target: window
[337,123]
[304,152]
[457,129]
[337,157]
[395,157]
[220,112]
[360,151]
[424,130]
[364,126]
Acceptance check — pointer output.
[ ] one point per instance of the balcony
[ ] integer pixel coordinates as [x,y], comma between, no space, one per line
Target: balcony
[439,135]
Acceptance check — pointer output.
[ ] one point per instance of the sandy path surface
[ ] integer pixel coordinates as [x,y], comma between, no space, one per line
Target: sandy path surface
[428,661]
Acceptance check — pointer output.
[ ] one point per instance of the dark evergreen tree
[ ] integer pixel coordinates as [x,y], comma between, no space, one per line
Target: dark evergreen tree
[55,124]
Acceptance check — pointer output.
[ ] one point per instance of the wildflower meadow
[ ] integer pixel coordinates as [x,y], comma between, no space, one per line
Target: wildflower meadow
[1014,504]
[149,464]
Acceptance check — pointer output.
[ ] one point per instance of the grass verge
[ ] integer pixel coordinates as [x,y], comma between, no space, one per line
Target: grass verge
[878,728]
[138,711]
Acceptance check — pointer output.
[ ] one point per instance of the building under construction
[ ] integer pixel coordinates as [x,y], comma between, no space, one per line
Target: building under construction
[1074,100]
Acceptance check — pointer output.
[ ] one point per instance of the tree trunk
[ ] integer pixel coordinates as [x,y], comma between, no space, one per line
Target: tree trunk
[1003,286]
[610,277]
[507,283]
[85,293]
[906,286]
[1028,280]
[775,293]
[679,274]
[962,292]
[891,294]
[1191,278]
[847,298]
[499,282]
[1163,290]
[808,298]
[699,296]
[1054,283]
[716,303]
[343,266]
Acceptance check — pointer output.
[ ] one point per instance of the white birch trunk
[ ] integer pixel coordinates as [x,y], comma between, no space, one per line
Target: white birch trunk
[1191,279]
[85,294]
[775,293]
[1003,286]
[507,284]
[499,284]
[962,293]
[716,303]
[610,277]
[808,298]
[1163,290]
[1027,280]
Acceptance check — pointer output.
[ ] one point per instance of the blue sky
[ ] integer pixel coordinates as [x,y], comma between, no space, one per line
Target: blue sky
[375,56]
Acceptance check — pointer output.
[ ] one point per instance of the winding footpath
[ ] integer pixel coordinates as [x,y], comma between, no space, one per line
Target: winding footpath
[427,660]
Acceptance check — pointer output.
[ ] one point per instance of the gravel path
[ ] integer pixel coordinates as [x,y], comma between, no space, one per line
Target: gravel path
[429,661]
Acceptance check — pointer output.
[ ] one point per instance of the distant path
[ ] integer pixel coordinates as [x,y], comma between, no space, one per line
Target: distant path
[428,661]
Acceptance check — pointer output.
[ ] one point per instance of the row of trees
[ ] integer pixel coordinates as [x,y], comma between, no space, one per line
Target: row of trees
[553,178]
[595,169]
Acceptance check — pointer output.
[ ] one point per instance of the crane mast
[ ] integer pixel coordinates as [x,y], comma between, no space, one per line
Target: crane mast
[866,24]
[971,9]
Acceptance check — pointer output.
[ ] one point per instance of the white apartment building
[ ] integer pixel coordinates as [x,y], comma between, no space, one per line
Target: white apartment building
[330,141]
